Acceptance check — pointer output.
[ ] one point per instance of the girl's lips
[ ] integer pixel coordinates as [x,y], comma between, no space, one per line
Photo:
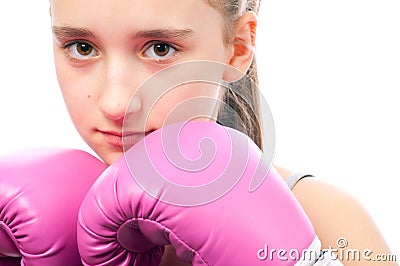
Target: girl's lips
[123,139]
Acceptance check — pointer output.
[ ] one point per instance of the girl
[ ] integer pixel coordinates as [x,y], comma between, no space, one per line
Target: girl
[104,50]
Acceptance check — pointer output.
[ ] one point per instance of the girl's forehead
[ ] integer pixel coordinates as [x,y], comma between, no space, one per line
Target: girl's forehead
[149,7]
[134,13]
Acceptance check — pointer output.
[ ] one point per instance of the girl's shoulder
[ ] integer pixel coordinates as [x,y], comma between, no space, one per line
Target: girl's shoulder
[337,216]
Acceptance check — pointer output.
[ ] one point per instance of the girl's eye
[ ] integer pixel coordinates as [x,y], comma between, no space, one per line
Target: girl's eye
[81,50]
[160,51]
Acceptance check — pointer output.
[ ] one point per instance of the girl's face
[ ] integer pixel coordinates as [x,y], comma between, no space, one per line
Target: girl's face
[105,49]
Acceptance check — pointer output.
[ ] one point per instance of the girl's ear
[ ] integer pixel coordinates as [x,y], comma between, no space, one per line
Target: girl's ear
[243,41]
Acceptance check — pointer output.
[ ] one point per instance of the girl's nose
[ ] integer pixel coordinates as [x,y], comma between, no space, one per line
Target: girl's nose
[118,94]
[116,105]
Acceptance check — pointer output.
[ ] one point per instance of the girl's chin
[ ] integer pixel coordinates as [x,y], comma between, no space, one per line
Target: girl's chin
[109,156]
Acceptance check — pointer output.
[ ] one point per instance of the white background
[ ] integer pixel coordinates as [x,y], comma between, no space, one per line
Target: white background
[328,69]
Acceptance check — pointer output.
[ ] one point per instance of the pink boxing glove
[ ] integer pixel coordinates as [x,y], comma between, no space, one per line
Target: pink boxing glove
[189,185]
[40,194]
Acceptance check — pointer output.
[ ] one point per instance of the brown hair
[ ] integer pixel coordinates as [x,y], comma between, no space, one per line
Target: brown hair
[241,108]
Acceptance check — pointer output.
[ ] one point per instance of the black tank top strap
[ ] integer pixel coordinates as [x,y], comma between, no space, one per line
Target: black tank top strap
[294,178]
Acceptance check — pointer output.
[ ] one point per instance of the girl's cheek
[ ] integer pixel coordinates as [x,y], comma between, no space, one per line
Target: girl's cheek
[196,100]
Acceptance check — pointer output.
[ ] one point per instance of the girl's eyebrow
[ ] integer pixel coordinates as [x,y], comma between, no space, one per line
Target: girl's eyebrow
[71,32]
[164,33]
[76,32]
